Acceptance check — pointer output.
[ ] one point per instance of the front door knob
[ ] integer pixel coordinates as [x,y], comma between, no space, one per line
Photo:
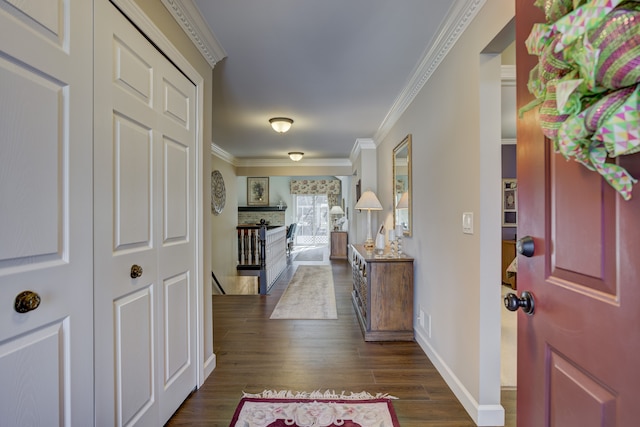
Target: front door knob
[526,246]
[513,303]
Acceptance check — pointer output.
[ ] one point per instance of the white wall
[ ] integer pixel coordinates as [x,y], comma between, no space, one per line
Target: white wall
[365,170]
[456,169]
[224,244]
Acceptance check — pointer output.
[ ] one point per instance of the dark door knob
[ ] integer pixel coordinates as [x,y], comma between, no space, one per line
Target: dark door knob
[26,301]
[136,271]
[513,303]
[525,246]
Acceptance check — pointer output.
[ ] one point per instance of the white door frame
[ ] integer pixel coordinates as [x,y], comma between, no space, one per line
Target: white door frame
[149,29]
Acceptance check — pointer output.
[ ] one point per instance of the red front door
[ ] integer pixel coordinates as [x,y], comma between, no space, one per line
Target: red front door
[579,353]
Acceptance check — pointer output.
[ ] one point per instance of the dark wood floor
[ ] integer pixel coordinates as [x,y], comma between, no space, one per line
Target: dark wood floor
[255,353]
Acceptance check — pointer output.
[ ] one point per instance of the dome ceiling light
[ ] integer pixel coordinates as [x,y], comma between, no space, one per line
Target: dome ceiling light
[296,155]
[281,124]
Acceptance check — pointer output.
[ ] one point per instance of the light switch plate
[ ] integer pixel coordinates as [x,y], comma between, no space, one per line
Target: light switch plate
[467,222]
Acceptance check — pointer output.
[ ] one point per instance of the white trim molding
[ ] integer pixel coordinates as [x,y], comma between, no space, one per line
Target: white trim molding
[188,16]
[461,15]
[222,154]
[482,415]
[361,144]
[259,163]
[508,75]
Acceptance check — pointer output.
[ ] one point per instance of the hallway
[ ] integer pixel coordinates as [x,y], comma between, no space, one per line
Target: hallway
[255,353]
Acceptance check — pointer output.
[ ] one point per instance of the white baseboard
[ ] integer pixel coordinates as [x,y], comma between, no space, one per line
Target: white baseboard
[209,366]
[482,415]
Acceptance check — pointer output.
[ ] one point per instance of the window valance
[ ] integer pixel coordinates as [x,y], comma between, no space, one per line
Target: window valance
[316,186]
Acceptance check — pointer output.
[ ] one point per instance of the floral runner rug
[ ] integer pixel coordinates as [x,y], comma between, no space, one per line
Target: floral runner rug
[316,409]
[309,295]
[310,254]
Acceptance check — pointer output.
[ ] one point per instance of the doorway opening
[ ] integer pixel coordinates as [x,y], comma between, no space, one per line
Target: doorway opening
[312,217]
[498,125]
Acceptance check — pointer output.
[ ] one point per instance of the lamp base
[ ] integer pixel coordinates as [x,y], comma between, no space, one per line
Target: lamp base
[369,244]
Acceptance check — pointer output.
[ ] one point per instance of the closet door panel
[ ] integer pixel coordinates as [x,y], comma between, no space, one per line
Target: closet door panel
[145,251]
[46,265]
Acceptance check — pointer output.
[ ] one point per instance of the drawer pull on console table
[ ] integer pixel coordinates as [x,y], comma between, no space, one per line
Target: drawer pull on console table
[383,295]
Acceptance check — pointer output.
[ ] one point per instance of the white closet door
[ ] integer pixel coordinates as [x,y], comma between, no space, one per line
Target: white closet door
[145,216]
[46,354]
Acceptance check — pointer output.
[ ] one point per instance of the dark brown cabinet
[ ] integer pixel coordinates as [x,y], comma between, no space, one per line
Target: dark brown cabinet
[383,295]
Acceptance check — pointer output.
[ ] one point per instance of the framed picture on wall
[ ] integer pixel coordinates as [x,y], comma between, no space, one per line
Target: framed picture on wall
[509,202]
[258,191]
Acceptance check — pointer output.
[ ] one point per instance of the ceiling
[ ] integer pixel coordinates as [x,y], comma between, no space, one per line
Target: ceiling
[342,70]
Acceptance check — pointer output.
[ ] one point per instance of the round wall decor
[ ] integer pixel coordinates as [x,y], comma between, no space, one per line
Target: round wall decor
[218,193]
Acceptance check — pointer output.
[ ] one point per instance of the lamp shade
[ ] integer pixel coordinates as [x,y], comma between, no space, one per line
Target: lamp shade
[369,201]
[281,124]
[296,155]
[403,203]
[336,210]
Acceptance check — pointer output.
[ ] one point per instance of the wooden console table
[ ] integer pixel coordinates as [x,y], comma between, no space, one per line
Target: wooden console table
[383,295]
[338,245]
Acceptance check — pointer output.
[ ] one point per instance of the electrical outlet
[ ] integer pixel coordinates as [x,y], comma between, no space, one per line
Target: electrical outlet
[424,319]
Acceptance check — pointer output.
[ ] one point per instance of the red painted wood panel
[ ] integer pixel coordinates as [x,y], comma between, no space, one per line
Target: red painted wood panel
[577,354]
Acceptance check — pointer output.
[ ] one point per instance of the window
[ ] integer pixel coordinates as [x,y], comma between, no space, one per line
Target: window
[312,217]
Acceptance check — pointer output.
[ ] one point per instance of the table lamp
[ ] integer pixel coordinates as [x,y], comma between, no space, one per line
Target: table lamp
[369,202]
[336,210]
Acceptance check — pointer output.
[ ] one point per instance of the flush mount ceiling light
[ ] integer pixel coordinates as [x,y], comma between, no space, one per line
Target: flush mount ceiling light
[281,124]
[296,155]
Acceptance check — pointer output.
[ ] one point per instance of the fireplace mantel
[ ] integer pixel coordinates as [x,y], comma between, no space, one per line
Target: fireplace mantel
[273,215]
[261,209]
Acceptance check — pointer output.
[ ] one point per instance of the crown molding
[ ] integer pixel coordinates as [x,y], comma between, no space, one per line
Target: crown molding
[188,16]
[261,163]
[461,15]
[222,154]
[361,144]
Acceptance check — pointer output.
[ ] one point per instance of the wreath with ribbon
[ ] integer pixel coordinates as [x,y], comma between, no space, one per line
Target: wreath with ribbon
[587,82]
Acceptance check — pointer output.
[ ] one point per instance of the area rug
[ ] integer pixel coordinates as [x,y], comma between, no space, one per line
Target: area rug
[309,295]
[316,409]
[310,254]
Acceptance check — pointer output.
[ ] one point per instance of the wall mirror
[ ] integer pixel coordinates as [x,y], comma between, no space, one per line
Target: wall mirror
[402,185]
